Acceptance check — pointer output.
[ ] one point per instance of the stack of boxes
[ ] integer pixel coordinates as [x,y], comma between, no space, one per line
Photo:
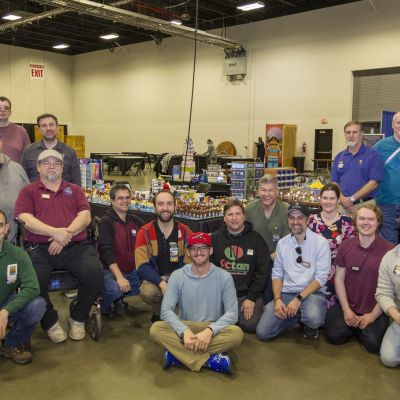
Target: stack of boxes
[286,176]
[244,178]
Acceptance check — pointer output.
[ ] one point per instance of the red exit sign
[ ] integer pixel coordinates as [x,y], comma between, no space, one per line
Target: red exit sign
[36,71]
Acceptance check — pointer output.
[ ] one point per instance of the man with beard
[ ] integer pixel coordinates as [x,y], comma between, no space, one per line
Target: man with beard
[48,127]
[208,310]
[357,169]
[357,315]
[301,268]
[243,253]
[160,250]
[56,214]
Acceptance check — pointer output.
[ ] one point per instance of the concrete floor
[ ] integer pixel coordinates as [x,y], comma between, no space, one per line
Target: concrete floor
[126,364]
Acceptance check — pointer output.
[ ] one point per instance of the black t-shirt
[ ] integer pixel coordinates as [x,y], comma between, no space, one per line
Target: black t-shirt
[167,259]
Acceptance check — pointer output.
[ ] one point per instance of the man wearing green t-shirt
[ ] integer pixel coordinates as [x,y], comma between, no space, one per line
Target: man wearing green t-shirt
[19,311]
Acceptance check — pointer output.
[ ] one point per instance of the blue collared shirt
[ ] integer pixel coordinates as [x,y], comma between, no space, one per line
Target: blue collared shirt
[316,256]
[352,172]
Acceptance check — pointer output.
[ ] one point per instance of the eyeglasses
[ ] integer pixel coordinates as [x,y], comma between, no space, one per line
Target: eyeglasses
[122,198]
[199,249]
[6,108]
[47,163]
[299,259]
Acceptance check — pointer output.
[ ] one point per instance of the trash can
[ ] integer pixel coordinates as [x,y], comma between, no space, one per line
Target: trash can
[298,163]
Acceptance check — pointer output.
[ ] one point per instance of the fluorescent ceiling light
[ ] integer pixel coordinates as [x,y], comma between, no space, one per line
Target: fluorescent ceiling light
[176,22]
[251,6]
[109,36]
[11,17]
[61,46]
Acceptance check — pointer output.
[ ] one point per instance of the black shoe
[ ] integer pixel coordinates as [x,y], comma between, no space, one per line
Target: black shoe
[107,313]
[120,304]
[310,333]
[155,318]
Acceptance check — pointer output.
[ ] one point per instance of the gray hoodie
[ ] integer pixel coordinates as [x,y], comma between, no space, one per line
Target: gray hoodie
[12,179]
[211,297]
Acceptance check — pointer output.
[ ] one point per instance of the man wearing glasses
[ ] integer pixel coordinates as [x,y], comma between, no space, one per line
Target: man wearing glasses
[160,250]
[208,310]
[116,246]
[48,127]
[300,271]
[15,137]
[56,214]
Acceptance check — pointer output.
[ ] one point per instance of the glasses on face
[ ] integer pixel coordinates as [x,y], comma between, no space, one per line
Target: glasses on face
[47,163]
[123,198]
[199,249]
[299,259]
[5,108]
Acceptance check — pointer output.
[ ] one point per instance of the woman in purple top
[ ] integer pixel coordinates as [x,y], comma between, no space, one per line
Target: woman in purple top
[334,227]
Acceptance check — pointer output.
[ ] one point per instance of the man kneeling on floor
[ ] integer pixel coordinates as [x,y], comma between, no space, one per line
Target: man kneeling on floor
[20,311]
[208,311]
[301,268]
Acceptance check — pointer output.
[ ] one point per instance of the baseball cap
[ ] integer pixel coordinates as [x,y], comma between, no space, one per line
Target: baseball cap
[198,238]
[50,153]
[300,208]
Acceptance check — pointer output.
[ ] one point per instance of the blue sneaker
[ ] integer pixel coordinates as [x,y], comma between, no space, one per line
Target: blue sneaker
[219,363]
[170,360]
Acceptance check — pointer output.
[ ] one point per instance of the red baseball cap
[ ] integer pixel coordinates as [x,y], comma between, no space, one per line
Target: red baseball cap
[198,238]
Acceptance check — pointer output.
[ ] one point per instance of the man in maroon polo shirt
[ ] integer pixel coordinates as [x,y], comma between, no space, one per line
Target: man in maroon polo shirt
[357,265]
[56,214]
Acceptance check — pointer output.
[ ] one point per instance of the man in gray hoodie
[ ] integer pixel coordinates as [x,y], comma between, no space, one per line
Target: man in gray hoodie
[12,179]
[208,311]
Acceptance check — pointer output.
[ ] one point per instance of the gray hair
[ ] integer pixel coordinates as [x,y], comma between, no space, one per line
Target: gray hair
[268,179]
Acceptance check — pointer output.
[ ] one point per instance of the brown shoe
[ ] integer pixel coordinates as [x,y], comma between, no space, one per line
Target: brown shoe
[18,354]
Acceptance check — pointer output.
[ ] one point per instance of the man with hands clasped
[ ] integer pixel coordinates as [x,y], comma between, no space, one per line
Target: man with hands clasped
[300,271]
[205,296]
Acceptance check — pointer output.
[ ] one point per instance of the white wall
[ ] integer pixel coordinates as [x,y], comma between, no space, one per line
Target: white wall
[32,97]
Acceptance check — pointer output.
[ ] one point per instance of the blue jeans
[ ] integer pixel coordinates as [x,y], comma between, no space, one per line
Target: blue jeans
[111,290]
[390,228]
[22,323]
[311,313]
[390,349]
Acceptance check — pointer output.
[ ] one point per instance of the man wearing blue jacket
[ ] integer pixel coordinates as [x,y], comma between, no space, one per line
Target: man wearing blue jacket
[208,311]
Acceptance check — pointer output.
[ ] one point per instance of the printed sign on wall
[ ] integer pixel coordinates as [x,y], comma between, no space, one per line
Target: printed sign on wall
[36,71]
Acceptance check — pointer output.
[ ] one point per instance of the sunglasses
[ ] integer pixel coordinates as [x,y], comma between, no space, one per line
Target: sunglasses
[299,259]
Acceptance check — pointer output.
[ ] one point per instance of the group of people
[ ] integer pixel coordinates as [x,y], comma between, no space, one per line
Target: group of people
[269,267]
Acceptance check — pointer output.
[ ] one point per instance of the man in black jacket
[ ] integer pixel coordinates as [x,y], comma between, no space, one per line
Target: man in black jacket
[116,245]
[244,254]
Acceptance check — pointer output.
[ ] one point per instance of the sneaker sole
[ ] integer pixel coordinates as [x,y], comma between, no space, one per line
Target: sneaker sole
[19,362]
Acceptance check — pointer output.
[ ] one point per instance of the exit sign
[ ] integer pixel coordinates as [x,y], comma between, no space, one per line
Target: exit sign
[36,71]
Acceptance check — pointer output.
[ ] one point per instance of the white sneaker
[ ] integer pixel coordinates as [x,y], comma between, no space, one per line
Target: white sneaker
[77,329]
[56,333]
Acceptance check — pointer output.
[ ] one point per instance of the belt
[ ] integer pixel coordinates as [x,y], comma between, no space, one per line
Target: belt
[362,200]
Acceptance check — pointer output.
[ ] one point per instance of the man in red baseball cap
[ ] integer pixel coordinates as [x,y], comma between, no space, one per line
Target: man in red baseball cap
[208,311]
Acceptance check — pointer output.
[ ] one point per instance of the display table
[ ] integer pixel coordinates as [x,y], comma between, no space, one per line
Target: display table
[204,225]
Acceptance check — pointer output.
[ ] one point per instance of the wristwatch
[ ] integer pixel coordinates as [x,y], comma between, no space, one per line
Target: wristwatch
[352,199]
[299,297]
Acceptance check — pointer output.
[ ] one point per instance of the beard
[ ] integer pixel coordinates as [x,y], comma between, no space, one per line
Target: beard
[165,218]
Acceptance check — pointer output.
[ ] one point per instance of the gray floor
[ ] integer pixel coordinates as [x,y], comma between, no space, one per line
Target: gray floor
[126,364]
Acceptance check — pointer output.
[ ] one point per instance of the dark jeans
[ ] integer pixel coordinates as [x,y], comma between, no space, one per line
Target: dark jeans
[23,322]
[81,261]
[250,325]
[338,332]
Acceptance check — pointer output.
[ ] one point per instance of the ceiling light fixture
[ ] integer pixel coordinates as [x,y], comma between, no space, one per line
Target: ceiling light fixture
[61,46]
[11,17]
[109,36]
[176,22]
[251,6]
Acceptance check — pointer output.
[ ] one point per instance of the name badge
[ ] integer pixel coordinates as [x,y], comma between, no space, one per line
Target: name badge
[250,252]
[173,252]
[12,270]
[179,234]
[340,165]
[275,238]
[396,270]
[355,269]
[45,196]
[133,232]
[306,264]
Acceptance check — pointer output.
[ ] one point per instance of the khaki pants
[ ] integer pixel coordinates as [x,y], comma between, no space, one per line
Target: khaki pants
[228,338]
[151,295]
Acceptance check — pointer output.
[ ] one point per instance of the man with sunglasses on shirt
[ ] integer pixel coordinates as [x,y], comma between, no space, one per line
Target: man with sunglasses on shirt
[299,275]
